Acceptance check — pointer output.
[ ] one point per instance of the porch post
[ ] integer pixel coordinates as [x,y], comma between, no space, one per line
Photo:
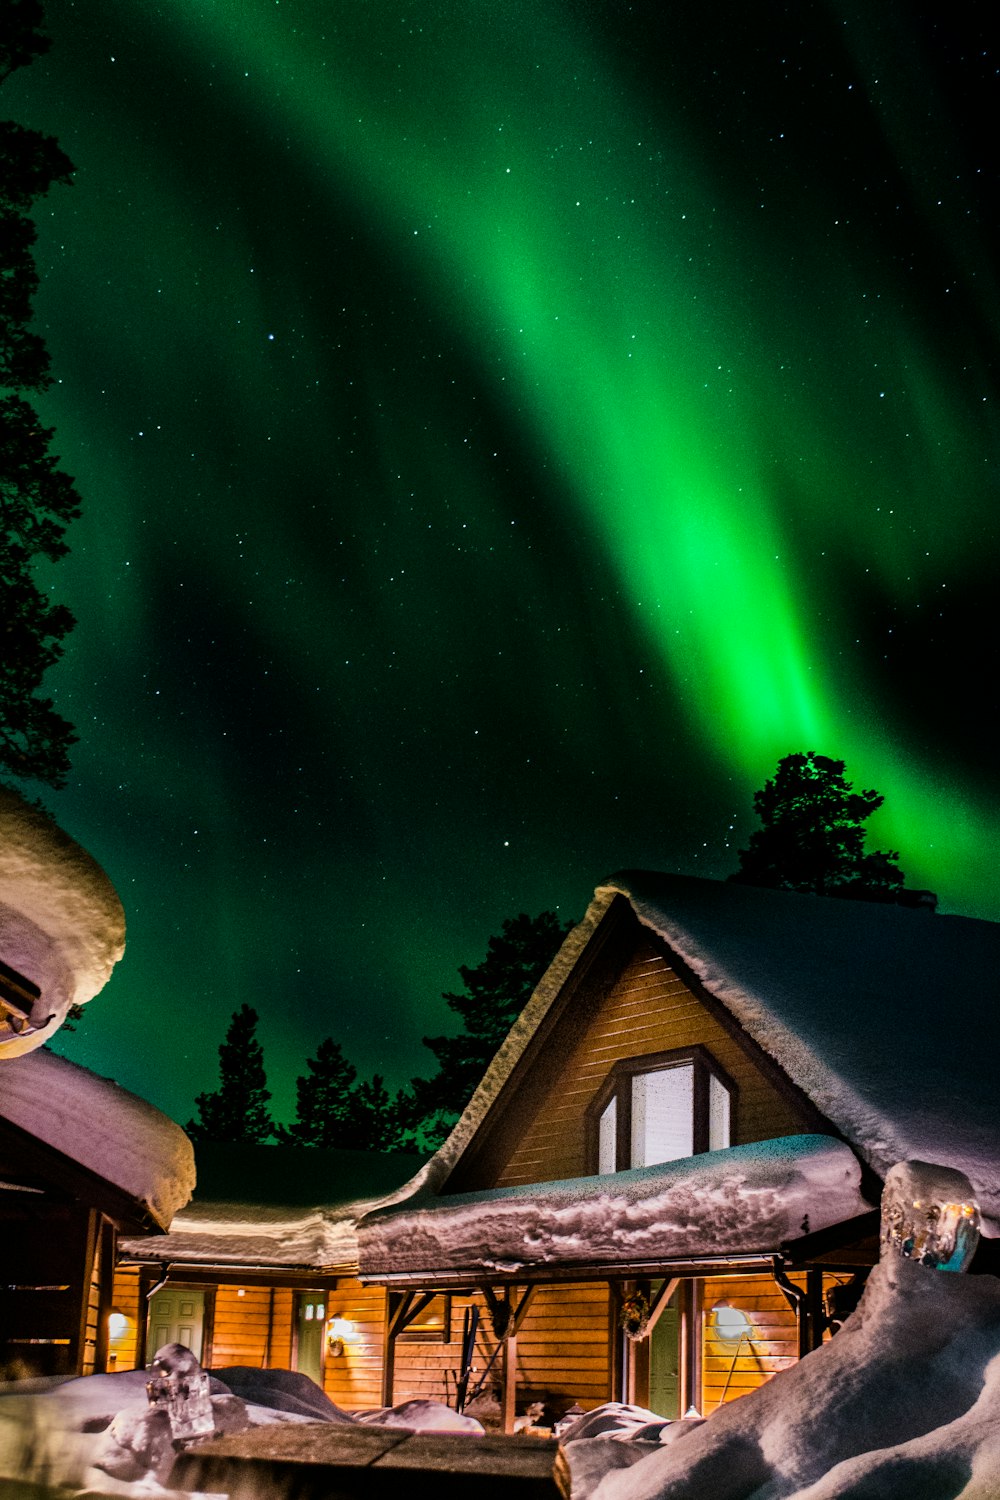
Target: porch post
[691,1345]
[816,1318]
[396,1306]
[509,1376]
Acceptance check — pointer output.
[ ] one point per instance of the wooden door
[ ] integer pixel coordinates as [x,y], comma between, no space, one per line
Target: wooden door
[310,1326]
[176,1316]
[664,1363]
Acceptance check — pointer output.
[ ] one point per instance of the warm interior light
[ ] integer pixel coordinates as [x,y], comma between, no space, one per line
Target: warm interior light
[340,1331]
[117,1324]
[731,1323]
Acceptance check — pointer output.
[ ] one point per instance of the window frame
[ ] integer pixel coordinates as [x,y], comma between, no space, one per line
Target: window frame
[618,1086]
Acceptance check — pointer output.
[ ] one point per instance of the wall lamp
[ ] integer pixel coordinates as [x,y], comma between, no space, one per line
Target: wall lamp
[117,1324]
[340,1331]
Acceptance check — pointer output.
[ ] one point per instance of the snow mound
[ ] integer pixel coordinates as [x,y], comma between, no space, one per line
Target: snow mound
[122,1138]
[61,923]
[421,1416]
[903,1404]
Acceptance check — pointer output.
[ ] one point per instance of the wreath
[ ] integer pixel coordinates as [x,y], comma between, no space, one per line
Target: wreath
[634,1317]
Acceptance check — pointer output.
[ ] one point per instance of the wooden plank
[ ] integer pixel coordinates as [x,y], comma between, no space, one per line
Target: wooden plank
[333,1462]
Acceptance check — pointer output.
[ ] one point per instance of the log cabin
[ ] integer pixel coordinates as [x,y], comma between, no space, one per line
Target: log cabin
[82,1161]
[665,1188]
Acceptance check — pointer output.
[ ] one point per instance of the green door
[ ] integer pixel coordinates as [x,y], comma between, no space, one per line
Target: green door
[176,1316]
[310,1327]
[664,1363]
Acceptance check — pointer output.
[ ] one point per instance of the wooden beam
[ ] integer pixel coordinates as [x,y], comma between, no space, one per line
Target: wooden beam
[659,1302]
[81,1288]
[105,1294]
[315,1461]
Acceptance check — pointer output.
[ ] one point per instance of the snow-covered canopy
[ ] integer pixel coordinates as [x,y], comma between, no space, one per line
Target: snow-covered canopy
[293,1207]
[61,923]
[746,1199]
[116,1135]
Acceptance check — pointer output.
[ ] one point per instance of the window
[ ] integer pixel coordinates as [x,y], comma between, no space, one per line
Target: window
[432,1325]
[660,1108]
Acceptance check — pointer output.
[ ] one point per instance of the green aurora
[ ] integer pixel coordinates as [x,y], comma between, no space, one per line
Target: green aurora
[504,431]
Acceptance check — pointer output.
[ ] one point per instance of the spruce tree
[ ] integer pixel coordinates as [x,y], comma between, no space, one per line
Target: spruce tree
[37,500]
[323,1101]
[812,835]
[237,1110]
[495,993]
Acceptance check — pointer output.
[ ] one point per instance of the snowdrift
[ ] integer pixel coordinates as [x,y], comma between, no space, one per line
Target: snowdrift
[903,1404]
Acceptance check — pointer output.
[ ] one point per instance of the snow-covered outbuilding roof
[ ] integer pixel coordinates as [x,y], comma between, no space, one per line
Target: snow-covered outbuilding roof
[885,1017]
[62,927]
[113,1135]
[287,1207]
[749,1199]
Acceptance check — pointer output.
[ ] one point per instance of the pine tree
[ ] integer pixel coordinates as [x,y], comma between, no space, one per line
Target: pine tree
[323,1101]
[374,1117]
[37,500]
[496,991]
[812,835]
[237,1109]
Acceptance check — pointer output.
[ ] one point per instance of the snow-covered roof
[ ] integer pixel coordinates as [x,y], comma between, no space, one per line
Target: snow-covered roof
[61,923]
[282,1206]
[747,1199]
[113,1134]
[886,1017]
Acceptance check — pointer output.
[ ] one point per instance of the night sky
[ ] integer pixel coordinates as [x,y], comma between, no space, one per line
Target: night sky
[504,429]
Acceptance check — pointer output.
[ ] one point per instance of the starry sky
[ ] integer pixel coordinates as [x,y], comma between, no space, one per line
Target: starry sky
[504,430]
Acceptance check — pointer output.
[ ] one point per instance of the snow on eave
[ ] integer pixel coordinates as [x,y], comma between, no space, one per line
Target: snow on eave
[435,1172]
[751,1198]
[61,923]
[115,1135]
[313,1241]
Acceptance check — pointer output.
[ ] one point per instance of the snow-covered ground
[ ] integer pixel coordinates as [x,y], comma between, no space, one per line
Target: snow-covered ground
[903,1404]
[99,1434]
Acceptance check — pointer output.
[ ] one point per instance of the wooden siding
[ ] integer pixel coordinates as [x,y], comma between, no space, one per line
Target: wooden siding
[649,1009]
[353,1380]
[563,1348]
[125,1299]
[772,1340]
[563,1352]
[253,1326]
[733,1367]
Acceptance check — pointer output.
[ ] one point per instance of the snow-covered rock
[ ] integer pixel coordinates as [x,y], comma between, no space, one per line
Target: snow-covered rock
[124,1139]
[61,923]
